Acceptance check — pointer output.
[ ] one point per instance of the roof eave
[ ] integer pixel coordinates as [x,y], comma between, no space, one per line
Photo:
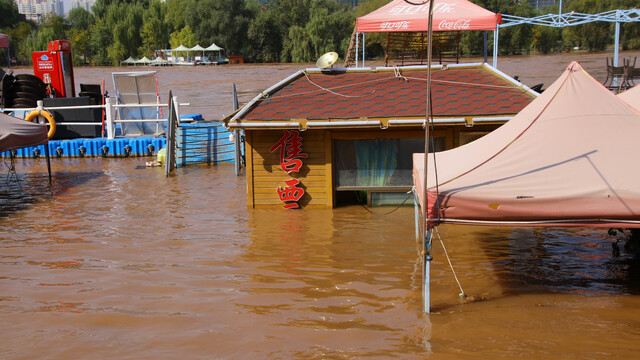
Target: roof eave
[467,121]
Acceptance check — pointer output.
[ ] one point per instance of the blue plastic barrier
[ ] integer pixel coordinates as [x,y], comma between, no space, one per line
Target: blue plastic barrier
[83,147]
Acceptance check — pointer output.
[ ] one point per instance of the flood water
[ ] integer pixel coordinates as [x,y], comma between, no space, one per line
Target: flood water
[117,261]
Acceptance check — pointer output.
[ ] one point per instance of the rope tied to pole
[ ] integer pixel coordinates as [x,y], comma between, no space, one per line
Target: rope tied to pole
[462,294]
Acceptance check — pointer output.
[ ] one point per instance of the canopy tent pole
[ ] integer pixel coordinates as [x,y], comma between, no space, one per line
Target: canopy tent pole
[426,260]
[363,46]
[496,35]
[426,246]
[616,45]
[485,44]
[357,48]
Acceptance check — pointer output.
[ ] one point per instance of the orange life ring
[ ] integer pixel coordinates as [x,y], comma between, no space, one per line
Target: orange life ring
[47,115]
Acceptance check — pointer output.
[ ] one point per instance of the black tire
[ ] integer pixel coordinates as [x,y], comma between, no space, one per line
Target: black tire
[28,95]
[9,94]
[37,83]
[6,84]
[23,106]
[27,77]
[24,102]
[30,90]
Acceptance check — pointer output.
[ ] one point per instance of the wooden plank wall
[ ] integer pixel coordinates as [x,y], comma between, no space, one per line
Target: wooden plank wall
[264,174]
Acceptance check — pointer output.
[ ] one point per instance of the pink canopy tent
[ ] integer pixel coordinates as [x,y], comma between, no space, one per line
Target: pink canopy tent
[448,15]
[400,16]
[4,41]
[632,96]
[564,160]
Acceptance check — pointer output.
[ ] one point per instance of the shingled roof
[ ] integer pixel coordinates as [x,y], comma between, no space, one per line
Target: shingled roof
[396,96]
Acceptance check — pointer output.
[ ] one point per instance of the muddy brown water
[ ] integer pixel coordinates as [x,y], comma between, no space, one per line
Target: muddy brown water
[117,261]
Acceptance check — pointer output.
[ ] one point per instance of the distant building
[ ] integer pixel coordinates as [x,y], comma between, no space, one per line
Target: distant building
[543,3]
[36,9]
[85,4]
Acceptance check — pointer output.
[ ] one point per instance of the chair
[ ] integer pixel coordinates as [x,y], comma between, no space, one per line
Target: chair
[617,76]
[633,73]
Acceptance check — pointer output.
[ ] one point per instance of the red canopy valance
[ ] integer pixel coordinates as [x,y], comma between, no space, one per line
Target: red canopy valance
[448,15]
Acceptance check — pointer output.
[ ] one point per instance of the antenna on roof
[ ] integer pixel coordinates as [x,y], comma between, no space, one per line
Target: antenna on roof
[327,60]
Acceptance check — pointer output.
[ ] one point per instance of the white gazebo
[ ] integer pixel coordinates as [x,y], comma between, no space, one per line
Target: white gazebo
[215,48]
[144,61]
[198,48]
[128,61]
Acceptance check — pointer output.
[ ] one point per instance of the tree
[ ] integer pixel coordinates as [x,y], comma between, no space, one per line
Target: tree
[297,47]
[10,16]
[326,26]
[265,35]
[155,32]
[79,18]
[99,41]
[175,13]
[222,21]
[79,21]
[184,37]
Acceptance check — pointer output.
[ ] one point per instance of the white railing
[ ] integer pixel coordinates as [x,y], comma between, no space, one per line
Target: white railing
[109,110]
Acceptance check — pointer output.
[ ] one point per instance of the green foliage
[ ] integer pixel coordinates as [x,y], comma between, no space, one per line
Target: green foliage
[10,16]
[79,18]
[275,30]
[155,32]
[326,26]
[184,37]
[265,34]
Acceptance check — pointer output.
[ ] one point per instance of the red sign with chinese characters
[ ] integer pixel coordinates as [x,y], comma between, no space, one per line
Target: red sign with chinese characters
[291,155]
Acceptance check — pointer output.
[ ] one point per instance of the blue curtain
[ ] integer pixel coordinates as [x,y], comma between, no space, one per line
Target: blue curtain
[376,162]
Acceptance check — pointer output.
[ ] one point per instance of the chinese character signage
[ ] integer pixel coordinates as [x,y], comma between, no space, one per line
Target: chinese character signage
[291,155]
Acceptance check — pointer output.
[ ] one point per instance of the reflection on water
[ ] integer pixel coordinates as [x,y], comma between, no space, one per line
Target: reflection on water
[118,261]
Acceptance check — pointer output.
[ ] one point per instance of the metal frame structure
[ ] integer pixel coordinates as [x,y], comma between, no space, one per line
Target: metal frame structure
[561,20]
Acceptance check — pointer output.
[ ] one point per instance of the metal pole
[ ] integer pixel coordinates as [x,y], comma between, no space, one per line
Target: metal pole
[616,45]
[428,115]
[109,114]
[236,134]
[485,50]
[357,36]
[416,214]
[560,8]
[48,156]
[496,37]
[363,47]
[426,276]
[176,105]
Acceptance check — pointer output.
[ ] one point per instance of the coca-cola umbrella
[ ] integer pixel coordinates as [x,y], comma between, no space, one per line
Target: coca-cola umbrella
[448,15]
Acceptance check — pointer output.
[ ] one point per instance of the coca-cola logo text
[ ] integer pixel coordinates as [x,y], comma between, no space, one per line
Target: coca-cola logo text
[394,25]
[438,8]
[462,24]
